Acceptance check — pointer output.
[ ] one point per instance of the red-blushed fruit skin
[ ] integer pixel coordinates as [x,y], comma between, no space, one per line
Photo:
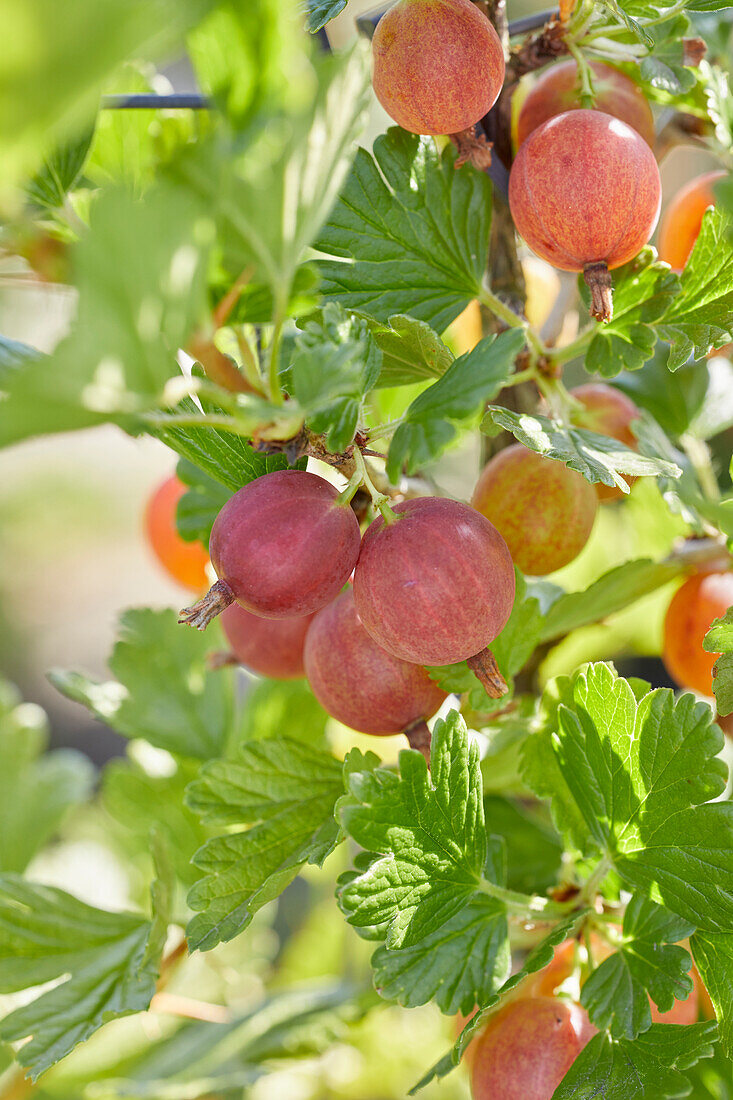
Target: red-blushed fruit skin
[359,683]
[682,219]
[437,585]
[438,65]
[284,545]
[543,509]
[556,90]
[585,188]
[607,412]
[702,598]
[271,647]
[527,1048]
[185,561]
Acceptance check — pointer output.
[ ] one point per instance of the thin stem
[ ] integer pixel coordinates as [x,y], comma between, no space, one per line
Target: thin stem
[383,431]
[698,453]
[348,493]
[504,313]
[590,887]
[380,501]
[273,371]
[585,77]
[528,375]
[528,905]
[575,347]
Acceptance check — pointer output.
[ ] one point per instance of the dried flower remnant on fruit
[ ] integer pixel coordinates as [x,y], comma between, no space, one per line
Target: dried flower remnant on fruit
[584,193]
[438,65]
[282,547]
[472,148]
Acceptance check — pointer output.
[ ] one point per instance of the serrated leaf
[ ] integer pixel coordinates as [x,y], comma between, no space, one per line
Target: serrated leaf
[411,350]
[428,828]
[642,291]
[701,316]
[719,639]
[321,12]
[107,962]
[431,422]
[642,775]
[286,792]
[648,963]
[649,1068]
[37,787]
[619,10]
[336,363]
[140,278]
[458,966]
[59,172]
[165,692]
[596,457]
[713,955]
[613,591]
[416,230]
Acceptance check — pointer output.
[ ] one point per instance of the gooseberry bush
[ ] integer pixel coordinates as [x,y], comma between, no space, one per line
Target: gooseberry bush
[383,450]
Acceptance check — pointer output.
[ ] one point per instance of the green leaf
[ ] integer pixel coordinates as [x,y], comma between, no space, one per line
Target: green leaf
[286,792]
[321,12]
[458,966]
[277,705]
[596,457]
[651,1067]
[713,955]
[270,201]
[701,316]
[622,16]
[537,959]
[520,636]
[641,775]
[428,828]
[416,229]
[58,174]
[37,787]
[672,399]
[201,503]
[432,420]
[613,591]
[141,290]
[647,963]
[165,691]
[106,965]
[642,291]
[534,850]
[719,639]
[336,363]
[411,350]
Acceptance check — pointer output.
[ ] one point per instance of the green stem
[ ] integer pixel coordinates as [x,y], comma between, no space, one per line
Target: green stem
[347,494]
[585,76]
[383,431]
[273,372]
[590,887]
[575,347]
[512,319]
[528,905]
[380,501]
[528,375]
[698,453]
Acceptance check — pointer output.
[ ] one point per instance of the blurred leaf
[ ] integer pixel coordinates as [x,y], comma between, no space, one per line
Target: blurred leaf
[719,639]
[107,965]
[463,962]
[59,172]
[411,350]
[713,955]
[140,292]
[534,850]
[286,792]
[715,415]
[274,706]
[647,1069]
[165,692]
[701,316]
[648,963]
[519,637]
[672,399]
[431,857]
[596,457]
[416,229]
[37,787]
[432,421]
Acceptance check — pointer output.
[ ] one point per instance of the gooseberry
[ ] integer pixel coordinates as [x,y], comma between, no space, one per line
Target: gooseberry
[282,547]
[527,1048]
[438,65]
[359,683]
[607,411]
[584,193]
[435,585]
[542,508]
[701,599]
[185,561]
[556,90]
[682,219]
[271,647]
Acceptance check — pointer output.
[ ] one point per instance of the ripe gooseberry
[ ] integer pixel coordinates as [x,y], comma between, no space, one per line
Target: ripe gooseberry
[556,90]
[701,599]
[543,509]
[271,647]
[359,683]
[282,547]
[527,1048]
[436,585]
[185,561]
[682,219]
[607,411]
[584,193]
[438,65]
